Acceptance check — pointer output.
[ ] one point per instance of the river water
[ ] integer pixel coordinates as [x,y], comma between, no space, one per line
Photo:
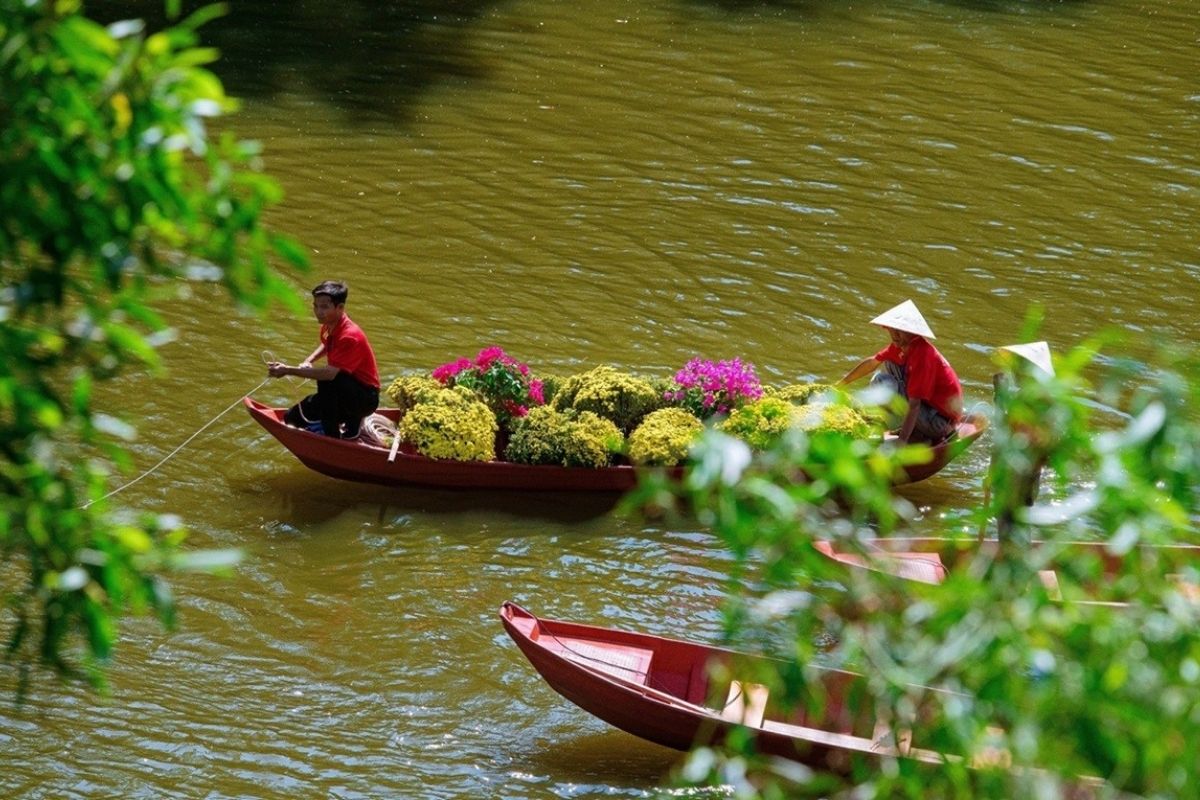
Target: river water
[586,183]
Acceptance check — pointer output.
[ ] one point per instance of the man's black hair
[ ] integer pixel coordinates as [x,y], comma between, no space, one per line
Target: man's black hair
[334,290]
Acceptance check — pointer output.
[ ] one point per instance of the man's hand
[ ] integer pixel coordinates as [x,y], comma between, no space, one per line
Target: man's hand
[277,369]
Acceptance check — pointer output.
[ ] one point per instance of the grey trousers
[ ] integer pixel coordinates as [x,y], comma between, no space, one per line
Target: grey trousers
[931,425]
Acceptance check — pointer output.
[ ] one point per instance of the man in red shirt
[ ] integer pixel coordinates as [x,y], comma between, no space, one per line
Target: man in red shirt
[348,386]
[914,369]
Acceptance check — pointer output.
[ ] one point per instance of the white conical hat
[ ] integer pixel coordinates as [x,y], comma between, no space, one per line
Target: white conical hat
[1036,353]
[905,317]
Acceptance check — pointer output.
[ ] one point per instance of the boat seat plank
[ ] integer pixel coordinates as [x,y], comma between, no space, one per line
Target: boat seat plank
[903,736]
[923,567]
[746,704]
[819,736]
[623,661]
[846,741]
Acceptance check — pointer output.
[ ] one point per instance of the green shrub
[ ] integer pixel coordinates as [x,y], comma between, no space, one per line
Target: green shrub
[761,424]
[451,424]
[798,393]
[408,390]
[617,396]
[664,437]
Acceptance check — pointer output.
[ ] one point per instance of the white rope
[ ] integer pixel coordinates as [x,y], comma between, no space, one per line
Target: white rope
[185,443]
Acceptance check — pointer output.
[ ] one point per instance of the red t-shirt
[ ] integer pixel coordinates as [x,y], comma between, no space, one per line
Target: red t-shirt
[347,348]
[928,376]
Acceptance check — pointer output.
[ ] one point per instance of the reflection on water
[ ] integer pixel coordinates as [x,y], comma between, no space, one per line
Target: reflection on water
[305,497]
[629,183]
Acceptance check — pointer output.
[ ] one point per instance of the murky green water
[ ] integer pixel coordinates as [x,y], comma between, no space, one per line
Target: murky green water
[617,183]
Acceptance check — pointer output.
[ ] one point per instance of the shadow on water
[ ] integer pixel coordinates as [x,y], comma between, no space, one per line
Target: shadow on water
[369,59]
[815,8]
[315,498]
[374,60]
[609,757]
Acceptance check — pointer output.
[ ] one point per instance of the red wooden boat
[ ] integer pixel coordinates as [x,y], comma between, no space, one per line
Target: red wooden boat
[931,559]
[354,460]
[970,428]
[666,691]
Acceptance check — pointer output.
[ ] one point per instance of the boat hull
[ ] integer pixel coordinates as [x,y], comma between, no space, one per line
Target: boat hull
[354,460]
[364,463]
[660,690]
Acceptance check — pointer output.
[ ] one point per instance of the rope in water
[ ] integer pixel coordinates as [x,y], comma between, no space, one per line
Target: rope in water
[185,443]
[267,358]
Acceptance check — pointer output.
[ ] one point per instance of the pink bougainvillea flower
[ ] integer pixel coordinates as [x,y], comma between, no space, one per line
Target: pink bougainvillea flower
[500,380]
[487,355]
[707,387]
[446,372]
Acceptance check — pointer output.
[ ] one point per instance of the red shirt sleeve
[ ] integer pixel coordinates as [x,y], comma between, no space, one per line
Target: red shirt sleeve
[890,353]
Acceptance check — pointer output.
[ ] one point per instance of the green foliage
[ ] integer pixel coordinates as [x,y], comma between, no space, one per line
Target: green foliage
[664,437]
[111,186]
[451,424]
[408,390]
[618,396]
[988,662]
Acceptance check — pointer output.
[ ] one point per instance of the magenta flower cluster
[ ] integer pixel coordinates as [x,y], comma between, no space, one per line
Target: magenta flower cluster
[503,382]
[706,387]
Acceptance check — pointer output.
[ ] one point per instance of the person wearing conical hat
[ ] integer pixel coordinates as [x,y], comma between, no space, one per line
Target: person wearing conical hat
[1026,476]
[1036,353]
[915,370]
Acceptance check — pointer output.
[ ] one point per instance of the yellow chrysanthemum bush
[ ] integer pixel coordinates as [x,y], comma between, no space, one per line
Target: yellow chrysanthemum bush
[537,437]
[592,441]
[835,416]
[762,423]
[408,390]
[569,438]
[664,437]
[798,393]
[621,397]
[451,424]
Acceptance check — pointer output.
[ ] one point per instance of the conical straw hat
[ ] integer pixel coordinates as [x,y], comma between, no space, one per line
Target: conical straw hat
[1037,353]
[905,317]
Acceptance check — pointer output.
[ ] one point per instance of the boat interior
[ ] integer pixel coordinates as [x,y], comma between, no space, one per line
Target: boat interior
[835,713]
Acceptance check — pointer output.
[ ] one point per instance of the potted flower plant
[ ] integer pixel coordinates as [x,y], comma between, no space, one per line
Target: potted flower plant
[707,388]
[502,382]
